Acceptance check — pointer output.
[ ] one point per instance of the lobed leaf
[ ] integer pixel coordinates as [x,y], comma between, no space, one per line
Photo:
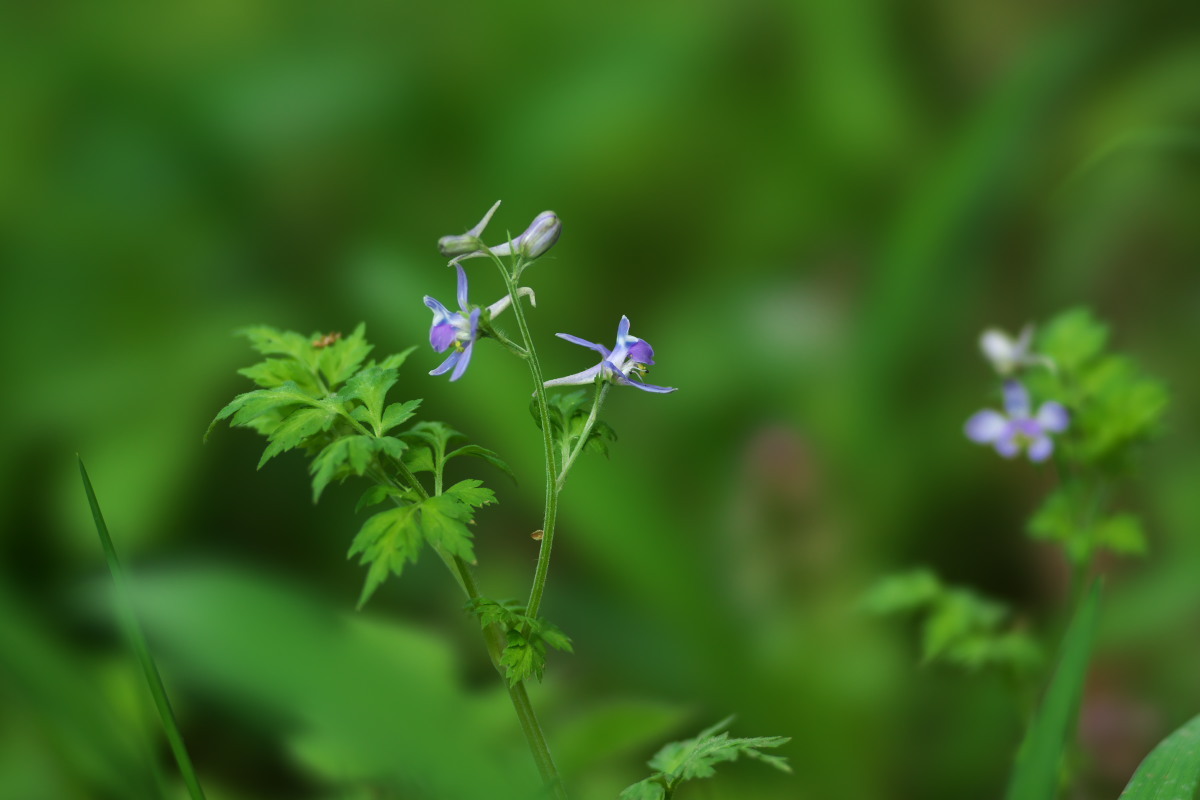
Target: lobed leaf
[387,541]
[904,592]
[697,758]
[397,414]
[487,455]
[370,387]
[349,455]
[275,372]
[296,429]
[341,359]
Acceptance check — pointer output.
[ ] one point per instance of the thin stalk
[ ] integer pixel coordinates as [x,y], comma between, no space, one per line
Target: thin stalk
[494,639]
[137,640]
[601,391]
[539,392]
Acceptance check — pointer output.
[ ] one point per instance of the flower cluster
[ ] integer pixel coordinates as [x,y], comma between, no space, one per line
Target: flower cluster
[1016,428]
[626,364]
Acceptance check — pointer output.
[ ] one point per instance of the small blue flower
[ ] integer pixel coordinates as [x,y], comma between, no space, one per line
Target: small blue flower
[1009,432]
[460,329]
[625,364]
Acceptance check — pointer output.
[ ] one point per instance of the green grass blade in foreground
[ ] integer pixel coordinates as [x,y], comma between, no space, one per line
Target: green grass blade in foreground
[137,641]
[1036,776]
[1172,770]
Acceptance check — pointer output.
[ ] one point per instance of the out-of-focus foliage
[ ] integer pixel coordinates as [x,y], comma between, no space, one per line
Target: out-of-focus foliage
[1038,774]
[959,627]
[811,209]
[679,762]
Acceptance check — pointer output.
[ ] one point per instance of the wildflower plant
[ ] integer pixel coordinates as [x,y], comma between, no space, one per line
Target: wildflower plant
[1094,412]
[325,396]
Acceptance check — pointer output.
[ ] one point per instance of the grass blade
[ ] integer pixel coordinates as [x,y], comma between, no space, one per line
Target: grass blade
[1172,770]
[137,640]
[1036,775]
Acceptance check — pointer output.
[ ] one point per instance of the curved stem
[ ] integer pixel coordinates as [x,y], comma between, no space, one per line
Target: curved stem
[601,391]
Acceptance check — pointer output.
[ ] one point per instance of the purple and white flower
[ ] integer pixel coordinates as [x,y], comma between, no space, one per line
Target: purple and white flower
[625,364]
[539,237]
[460,329]
[1008,355]
[1010,431]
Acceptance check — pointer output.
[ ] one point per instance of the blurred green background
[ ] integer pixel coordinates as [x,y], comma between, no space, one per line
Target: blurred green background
[811,210]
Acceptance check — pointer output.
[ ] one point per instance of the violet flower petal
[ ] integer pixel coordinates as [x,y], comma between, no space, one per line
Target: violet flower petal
[1006,444]
[441,336]
[1041,449]
[599,348]
[447,364]
[462,287]
[579,378]
[439,310]
[986,426]
[461,367]
[1016,399]
[1053,417]
[641,351]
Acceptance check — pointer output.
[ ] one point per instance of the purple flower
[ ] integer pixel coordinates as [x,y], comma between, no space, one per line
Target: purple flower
[460,329]
[1009,432]
[625,364]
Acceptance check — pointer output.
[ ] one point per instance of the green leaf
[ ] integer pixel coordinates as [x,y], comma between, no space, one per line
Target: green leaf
[523,658]
[376,495]
[697,758]
[275,372]
[395,360]
[350,455]
[132,630]
[249,406]
[1036,774]
[904,592]
[648,789]
[1172,770]
[341,359]
[527,637]
[486,455]
[472,493]
[270,341]
[1073,338]
[1121,533]
[387,541]
[444,517]
[370,387]
[960,614]
[296,429]
[419,459]
[397,414]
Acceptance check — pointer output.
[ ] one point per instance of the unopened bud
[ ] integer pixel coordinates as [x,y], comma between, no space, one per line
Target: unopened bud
[468,242]
[541,234]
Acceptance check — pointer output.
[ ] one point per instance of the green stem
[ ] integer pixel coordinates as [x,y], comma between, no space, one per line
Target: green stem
[539,391]
[494,639]
[601,391]
[137,640]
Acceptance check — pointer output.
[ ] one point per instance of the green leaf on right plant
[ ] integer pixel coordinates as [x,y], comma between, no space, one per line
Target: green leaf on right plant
[1172,770]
